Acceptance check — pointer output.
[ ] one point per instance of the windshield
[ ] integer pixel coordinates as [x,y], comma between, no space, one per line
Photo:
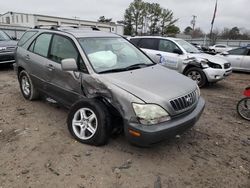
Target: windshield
[113,54]
[187,46]
[4,36]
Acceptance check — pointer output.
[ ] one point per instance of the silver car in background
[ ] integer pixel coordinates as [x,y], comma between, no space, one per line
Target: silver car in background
[7,48]
[239,58]
[179,55]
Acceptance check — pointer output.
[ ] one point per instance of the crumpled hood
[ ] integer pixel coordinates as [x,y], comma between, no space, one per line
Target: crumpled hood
[156,84]
[211,58]
[8,43]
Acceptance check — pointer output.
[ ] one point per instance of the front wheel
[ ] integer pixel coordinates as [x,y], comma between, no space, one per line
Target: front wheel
[197,75]
[243,108]
[89,122]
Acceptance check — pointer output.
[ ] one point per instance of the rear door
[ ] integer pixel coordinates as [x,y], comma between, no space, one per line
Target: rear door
[149,46]
[236,56]
[245,64]
[64,86]
[36,59]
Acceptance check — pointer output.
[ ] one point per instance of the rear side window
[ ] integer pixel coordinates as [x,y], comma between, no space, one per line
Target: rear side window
[248,52]
[148,43]
[41,44]
[26,36]
[238,51]
[135,41]
[62,48]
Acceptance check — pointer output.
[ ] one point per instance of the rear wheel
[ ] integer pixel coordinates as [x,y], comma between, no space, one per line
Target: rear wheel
[27,88]
[243,108]
[89,122]
[197,75]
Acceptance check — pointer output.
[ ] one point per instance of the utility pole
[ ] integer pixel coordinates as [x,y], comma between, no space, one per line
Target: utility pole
[193,22]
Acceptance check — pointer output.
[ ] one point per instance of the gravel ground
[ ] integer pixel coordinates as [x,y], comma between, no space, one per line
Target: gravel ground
[36,149]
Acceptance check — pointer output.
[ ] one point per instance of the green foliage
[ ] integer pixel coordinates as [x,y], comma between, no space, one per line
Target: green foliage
[102,19]
[147,18]
[188,30]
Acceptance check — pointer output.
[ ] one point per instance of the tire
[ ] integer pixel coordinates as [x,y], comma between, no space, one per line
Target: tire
[243,108]
[27,87]
[89,122]
[197,75]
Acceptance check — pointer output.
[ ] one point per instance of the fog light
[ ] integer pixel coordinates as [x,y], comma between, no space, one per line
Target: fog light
[134,133]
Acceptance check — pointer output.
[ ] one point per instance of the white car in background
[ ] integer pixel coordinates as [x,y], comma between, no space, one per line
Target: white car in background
[219,48]
[179,55]
[239,58]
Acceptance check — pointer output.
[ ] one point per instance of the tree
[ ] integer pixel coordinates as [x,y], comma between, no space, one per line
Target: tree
[146,17]
[172,30]
[135,12]
[234,33]
[102,19]
[197,33]
[167,21]
[188,31]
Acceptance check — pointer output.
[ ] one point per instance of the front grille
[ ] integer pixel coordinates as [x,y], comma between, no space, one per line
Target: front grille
[7,57]
[184,102]
[227,65]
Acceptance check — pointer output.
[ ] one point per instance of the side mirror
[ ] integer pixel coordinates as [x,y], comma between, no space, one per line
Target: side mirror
[69,64]
[225,53]
[177,51]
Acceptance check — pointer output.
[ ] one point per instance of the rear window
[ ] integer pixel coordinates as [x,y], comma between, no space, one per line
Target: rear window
[26,36]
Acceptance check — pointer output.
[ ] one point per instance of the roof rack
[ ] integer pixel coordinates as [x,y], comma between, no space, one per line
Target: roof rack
[64,27]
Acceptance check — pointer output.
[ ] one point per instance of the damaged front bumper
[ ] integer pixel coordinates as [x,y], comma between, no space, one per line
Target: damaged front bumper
[143,135]
[215,75]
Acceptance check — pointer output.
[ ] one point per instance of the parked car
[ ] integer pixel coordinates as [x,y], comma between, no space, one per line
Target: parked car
[219,48]
[7,48]
[100,76]
[183,57]
[239,58]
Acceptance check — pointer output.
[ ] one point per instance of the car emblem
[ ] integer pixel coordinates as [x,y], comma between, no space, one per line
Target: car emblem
[2,48]
[189,100]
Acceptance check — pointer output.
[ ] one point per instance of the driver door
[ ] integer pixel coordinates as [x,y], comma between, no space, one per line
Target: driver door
[64,86]
[166,49]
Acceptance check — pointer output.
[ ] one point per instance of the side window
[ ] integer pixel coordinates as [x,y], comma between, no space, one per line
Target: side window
[167,46]
[135,41]
[248,52]
[148,43]
[238,51]
[41,44]
[220,46]
[26,36]
[62,48]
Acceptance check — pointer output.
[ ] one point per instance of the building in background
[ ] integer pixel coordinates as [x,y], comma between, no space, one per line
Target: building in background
[30,20]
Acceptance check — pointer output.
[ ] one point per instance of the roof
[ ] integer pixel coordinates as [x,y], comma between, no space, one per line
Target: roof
[79,32]
[157,37]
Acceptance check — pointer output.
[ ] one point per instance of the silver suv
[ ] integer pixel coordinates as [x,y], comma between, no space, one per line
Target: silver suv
[107,83]
[183,57]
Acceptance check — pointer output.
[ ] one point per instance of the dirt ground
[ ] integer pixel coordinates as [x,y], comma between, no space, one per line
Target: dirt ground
[36,149]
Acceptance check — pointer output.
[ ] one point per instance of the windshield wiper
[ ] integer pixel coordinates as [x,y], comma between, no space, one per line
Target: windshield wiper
[113,70]
[138,66]
[131,67]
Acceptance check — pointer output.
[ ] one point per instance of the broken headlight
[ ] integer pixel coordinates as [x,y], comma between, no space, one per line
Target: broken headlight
[214,65]
[150,114]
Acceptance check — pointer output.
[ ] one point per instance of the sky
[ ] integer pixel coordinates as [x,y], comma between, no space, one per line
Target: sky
[230,13]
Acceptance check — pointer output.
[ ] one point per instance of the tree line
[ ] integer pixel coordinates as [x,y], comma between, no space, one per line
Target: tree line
[148,18]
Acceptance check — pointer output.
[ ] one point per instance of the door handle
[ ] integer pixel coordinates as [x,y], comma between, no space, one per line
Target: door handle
[27,57]
[50,67]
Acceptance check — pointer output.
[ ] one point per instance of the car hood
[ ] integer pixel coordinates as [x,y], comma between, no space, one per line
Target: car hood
[210,58]
[8,43]
[155,84]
